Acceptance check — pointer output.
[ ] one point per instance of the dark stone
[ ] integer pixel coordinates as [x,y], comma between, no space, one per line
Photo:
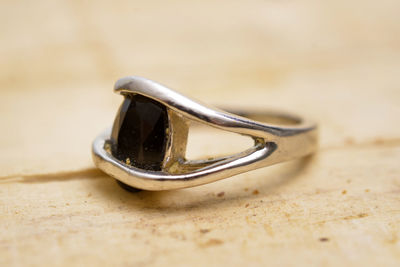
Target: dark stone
[139,133]
[128,187]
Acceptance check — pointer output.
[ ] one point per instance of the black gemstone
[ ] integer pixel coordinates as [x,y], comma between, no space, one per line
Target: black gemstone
[139,133]
[128,187]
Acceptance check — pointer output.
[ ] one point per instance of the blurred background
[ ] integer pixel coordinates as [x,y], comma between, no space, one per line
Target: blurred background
[336,61]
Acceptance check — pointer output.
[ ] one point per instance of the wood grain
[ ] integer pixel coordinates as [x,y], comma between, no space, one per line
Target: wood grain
[336,61]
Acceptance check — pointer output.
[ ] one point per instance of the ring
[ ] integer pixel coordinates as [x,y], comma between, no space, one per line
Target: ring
[145,148]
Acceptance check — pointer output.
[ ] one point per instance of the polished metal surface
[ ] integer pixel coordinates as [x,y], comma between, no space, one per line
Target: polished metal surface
[277,138]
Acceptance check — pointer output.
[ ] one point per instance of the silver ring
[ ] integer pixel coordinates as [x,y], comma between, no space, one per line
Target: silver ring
[146,147]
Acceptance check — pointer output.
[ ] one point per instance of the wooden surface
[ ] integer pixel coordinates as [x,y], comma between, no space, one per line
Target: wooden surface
[336,61]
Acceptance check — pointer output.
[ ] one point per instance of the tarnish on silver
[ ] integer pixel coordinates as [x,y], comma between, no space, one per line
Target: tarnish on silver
[273,143]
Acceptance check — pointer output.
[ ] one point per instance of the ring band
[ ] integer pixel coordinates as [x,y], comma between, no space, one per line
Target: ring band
[146,147]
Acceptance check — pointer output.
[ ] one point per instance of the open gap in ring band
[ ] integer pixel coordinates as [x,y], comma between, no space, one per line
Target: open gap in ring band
[206,142]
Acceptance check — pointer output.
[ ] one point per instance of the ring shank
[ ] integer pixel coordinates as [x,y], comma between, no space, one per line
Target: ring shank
[295,137]
[268,116]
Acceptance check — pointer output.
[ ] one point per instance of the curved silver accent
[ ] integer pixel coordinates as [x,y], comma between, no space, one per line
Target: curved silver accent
[273,143]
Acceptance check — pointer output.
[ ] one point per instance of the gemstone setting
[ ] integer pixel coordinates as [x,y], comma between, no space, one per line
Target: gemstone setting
[139,134]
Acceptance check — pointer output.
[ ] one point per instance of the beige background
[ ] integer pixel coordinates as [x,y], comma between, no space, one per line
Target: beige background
[336,61]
